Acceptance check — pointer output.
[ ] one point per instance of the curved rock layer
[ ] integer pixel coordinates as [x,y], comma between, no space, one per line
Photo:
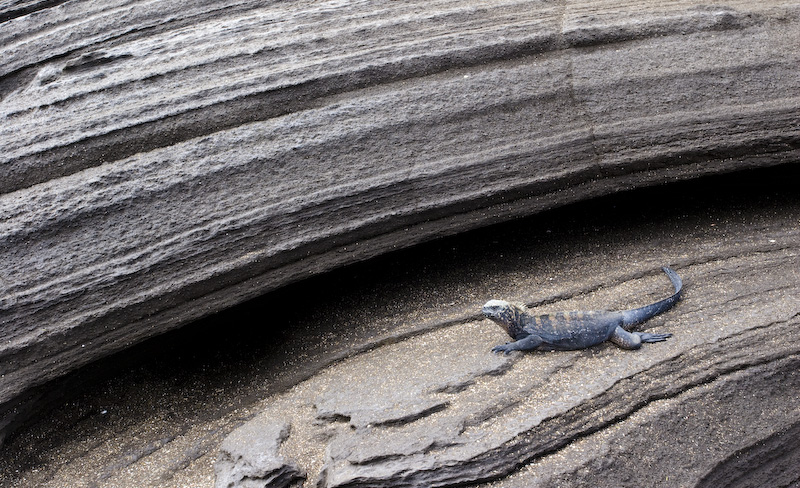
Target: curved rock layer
[440,410]
[165,160]
[395,384]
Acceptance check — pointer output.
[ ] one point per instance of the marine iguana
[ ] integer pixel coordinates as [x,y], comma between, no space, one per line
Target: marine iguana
[577,330]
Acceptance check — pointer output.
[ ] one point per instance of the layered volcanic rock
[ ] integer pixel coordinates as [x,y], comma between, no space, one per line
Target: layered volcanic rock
[165,160]
[250,457]
[382,374]
[440,410]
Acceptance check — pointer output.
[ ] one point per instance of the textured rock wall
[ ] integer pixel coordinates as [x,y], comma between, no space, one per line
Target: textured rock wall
[395,383]
[164,160]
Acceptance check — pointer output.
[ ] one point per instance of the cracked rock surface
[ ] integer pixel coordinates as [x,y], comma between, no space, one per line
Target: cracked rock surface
[250,457]
[165,160]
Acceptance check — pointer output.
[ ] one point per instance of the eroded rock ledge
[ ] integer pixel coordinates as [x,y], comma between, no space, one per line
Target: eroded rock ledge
[733,359]
[395,384]
[165,160]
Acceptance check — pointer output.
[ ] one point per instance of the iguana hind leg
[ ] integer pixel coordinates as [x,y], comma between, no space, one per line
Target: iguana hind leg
[634,340]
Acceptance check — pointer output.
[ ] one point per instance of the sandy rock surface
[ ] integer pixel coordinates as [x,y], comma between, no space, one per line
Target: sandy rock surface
[439,410]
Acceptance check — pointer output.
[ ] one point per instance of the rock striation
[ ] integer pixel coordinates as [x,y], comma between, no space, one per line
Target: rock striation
[166,160]
[441,410]
[382,374]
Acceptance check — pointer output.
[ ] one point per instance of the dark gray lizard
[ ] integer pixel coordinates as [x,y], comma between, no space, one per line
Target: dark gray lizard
[577,330]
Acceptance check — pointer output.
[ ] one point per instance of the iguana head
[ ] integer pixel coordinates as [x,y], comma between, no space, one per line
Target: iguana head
[502,313]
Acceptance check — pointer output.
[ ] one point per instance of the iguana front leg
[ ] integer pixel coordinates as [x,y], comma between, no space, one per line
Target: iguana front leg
[525,344]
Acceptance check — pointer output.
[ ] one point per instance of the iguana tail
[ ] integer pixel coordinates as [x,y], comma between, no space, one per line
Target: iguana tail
[639,315]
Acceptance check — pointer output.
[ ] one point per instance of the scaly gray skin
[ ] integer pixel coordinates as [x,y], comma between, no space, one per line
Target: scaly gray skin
[577,330]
